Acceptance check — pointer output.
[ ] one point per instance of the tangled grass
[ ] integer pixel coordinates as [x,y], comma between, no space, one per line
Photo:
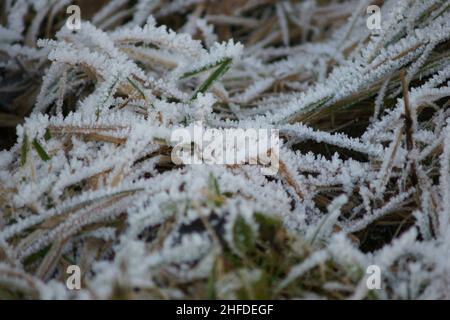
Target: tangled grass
[86,176]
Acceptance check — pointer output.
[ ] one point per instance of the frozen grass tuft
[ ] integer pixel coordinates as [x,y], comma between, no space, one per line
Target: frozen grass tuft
[86,176]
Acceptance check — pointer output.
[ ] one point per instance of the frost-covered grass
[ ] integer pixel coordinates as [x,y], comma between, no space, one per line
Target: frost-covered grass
[364,176]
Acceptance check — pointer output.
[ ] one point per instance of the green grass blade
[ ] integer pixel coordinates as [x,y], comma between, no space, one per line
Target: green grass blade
[202,69]
[136,87]
[47,134]
[40,150]
[213,184]
[24,150]
[220,71]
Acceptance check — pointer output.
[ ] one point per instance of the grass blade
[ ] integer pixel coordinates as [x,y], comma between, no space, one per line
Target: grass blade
[24,150]
[136,87]
[220,71]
